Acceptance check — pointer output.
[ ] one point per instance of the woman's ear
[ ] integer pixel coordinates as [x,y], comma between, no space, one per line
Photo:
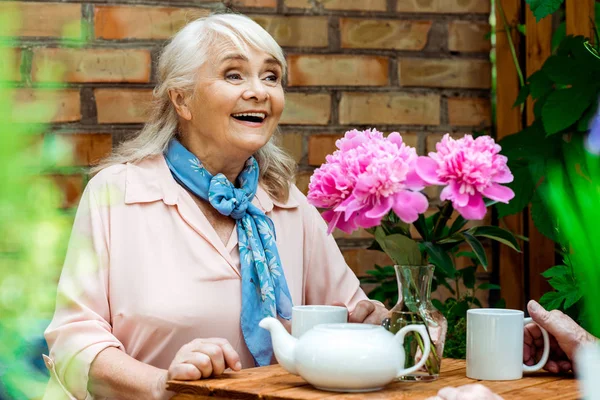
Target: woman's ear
[180,103]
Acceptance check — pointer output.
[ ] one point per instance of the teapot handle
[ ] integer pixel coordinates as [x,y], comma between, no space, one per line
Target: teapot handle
[421,330]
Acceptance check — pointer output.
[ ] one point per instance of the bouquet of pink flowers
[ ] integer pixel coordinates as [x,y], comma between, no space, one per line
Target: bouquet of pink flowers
[375,182]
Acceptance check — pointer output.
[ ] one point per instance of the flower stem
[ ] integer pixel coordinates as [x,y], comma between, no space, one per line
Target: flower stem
[445,214]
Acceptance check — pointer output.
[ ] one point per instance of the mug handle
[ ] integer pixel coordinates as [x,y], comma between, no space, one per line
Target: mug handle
[422,331]
[545,354]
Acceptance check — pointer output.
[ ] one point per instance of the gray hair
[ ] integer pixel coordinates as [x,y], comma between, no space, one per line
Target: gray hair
[178,65]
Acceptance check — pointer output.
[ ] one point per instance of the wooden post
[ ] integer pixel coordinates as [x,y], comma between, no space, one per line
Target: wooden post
[580,16]
[541,249]
[511,263]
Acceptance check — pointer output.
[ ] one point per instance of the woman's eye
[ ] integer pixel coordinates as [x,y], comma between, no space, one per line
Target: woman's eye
[233,76]
[272,78]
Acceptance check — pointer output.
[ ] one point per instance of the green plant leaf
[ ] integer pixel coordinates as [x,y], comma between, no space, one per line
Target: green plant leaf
[559,69]
[440,258]
[584,123]
[522,97]
[468,275]
[421,226]
[458,224]
[564,107]
[543,220]
[559,34]
[551,300]
[539,84]
[557,270]
[488,286]
[543,8]
[496,233]
[572,298]
[401,249]
[477,248]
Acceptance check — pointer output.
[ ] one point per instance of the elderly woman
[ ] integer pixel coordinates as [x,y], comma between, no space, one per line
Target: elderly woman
[192,231]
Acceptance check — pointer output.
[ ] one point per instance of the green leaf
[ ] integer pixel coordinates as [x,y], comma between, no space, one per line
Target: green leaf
[488,286]
[477,248]
[539,84]
[498,234]
[543,220]
[559,69]
[559,35]
[557,270]
[401,249]
[543,8]
[468,275]
[584,123]
[500,304]
[551,300]
[564,107]
[439,258]
[572,298]
[421,227]
[458,224]
[522,97]
[523,188]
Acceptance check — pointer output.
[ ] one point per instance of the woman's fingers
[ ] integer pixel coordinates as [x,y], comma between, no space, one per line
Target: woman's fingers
[216,359]
[184,372]
[362,310]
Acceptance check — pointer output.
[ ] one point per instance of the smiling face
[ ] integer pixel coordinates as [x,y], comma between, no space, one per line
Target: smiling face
[236,105]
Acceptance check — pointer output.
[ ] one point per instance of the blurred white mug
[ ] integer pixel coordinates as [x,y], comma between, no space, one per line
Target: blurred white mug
[304,318]
[495,344]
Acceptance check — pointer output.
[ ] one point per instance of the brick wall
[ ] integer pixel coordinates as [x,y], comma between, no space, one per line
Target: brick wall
[419,67]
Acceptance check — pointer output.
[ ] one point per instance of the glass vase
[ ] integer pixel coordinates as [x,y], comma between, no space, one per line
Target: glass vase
[414,307]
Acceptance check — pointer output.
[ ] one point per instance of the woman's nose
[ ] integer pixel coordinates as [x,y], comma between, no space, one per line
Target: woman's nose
[256,90]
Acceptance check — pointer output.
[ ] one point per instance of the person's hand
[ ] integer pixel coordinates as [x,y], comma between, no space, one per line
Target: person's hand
[202,358]
[368,312]
[565,337]
[473,391]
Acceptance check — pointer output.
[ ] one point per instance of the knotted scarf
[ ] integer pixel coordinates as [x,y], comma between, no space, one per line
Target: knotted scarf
[264,288]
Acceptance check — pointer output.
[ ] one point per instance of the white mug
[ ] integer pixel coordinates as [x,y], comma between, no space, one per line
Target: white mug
[304,318]
[495,345]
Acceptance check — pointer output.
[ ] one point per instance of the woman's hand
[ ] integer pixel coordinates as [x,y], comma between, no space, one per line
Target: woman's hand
[368,312]
[473,391]
[565,337]
[202,358]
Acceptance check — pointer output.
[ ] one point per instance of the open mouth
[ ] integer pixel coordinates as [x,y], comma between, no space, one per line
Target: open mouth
[250,117]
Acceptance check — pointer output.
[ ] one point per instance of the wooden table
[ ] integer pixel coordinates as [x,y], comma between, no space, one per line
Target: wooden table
[274,383]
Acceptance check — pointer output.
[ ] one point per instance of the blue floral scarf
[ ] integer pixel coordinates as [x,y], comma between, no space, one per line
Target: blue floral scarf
[264,288]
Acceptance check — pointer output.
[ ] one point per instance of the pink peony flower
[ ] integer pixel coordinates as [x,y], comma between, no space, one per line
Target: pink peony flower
[470,169]
[364,179]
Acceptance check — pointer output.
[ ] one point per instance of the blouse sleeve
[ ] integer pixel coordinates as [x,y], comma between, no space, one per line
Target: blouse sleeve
[328,278]
[81,327]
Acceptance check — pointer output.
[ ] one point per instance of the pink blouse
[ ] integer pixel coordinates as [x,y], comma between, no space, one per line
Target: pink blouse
[145,272]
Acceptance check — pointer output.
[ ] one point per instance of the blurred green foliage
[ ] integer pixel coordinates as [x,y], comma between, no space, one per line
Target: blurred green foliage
[33,230]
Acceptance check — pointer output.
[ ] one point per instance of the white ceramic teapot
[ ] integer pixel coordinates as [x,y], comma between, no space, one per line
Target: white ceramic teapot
[345,357]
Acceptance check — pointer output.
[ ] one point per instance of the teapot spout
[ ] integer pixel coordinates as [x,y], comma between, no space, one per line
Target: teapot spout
[284,344]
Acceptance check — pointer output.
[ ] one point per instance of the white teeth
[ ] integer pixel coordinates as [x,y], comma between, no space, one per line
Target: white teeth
[259,115]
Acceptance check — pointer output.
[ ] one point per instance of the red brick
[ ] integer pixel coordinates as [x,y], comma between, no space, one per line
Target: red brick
[116,22]
[468,111]
[357,5]
[37,19]
[363,260]
[337,70]
[122,105]
[91,65]
[319,146]
[390,108]
[86,148]
[444,6]
[293,144]
[445,73]
[306,109]
[10,64]
[358,33]
[46,105]
[302,181]
[469,36]
[71,187]
[295,31]
[255,3]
